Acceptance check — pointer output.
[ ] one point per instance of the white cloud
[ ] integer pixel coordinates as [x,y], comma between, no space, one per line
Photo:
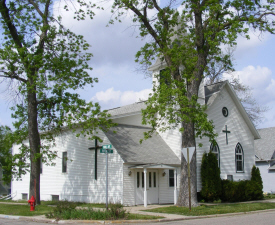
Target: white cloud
[262,82]
[248,47]
[115,44]
[112,98]
[255,77]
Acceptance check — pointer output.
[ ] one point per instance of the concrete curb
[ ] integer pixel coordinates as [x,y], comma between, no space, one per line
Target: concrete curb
[38,219]
[9,217]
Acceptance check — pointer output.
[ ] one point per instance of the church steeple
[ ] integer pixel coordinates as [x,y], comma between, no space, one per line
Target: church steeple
[161,65]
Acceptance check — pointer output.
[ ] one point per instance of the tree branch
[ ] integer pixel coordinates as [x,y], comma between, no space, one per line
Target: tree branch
[13,31]
[13,76]
[146,23]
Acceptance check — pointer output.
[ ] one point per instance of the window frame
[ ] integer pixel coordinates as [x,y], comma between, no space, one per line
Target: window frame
[172,177]
[239,147]
[212,147]
[64,162]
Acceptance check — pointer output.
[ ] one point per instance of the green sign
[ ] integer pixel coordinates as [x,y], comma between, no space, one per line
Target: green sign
[106,150]
[106,146]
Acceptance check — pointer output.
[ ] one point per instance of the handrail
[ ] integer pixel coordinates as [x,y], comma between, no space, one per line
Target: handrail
[7,197]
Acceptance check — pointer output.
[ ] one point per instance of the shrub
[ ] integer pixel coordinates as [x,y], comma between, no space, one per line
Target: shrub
[67,210]
[116,211]
[210,175]
[244,190]
[61,207]
[258,183]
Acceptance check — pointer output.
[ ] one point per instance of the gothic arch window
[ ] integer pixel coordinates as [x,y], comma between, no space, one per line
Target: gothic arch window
[239,159]
[216,150]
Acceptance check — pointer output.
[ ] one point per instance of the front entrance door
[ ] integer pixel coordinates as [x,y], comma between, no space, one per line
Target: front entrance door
[151,186]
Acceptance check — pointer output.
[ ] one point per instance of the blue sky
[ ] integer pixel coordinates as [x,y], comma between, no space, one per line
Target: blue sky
[114,49]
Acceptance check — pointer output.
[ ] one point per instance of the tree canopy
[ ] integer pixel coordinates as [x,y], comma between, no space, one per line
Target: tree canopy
[6,141]
[185,36]
[44,64]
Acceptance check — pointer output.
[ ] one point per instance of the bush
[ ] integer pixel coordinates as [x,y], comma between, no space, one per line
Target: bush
[244,190]
[258,183]
[116,211]
[67,210]
[210,176]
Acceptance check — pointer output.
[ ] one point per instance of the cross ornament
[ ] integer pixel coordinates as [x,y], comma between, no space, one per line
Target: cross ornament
[95,148]
[226,132]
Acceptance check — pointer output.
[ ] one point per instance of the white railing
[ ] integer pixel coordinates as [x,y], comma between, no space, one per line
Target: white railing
[8,197]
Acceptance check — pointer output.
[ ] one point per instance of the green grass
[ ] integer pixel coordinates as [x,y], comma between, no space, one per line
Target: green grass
[23,210]
[82,204]
[214,209]
[269,196]
[12,201]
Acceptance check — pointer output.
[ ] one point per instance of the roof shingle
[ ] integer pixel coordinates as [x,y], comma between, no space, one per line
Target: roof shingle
[154,150]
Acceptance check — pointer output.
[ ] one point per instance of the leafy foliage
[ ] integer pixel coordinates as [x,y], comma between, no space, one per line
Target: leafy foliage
[6,141]
[210,177]
[45,63]
[244,190]
[67,210]
[184,41]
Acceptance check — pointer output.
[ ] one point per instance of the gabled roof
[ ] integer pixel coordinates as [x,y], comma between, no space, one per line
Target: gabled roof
[214,90]
[152,151]
[211,91]
[265,147]
[127,109]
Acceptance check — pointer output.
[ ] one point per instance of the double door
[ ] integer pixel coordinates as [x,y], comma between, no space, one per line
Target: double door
[151,186]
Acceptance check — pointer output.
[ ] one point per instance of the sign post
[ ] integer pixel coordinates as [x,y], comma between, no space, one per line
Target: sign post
[107,150]
[188,156]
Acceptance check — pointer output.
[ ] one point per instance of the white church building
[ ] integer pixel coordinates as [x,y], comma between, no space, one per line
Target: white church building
[146,173]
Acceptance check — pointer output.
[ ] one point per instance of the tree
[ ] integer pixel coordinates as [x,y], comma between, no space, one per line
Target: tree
[185,41]
[45,63]
[214,74]
[6,142]
[210,177]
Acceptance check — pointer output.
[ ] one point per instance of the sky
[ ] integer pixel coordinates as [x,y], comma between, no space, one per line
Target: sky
[121,82]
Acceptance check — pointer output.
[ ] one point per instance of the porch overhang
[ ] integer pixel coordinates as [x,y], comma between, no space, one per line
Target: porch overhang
[153,166]
[156,166]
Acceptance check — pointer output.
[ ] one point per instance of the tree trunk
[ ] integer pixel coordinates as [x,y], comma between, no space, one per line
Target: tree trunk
[34,141]
[188,140]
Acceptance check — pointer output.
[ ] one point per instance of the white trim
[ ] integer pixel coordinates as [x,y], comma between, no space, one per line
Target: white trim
[145,187]
[175,186]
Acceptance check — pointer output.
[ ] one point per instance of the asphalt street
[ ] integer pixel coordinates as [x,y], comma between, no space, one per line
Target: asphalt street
[265,218]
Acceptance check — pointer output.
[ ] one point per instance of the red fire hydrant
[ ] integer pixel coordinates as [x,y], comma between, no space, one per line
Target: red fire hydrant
[32,203]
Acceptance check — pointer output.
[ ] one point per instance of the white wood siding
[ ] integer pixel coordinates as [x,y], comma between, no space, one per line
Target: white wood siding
[78,184]
[129,194]
[173,140]
[239,133]
[268,177]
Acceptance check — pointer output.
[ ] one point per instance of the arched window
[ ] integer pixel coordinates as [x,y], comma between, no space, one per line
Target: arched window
[216,150]
[239,159]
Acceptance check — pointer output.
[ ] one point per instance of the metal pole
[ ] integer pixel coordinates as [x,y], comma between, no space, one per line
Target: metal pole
[189,188]
[106,179]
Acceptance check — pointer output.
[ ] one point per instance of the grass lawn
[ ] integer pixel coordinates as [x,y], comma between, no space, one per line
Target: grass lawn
[23,210]
[269,196]
[214,209]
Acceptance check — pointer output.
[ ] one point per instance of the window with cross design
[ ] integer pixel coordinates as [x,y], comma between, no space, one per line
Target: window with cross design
[216,150]
[239,159]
